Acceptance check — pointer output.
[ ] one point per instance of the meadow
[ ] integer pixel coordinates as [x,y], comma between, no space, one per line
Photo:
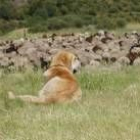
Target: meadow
[20,33]
[109,109]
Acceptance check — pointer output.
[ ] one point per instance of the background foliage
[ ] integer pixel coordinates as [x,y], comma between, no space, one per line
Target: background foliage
[46,15]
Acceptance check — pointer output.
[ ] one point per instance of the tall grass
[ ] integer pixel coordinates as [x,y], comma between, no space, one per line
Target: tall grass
[109,109]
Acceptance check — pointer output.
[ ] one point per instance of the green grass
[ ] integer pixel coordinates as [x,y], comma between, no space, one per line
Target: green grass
[19,33]
[109,109]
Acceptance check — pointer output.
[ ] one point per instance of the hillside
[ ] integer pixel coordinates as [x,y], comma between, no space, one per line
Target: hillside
[38,15]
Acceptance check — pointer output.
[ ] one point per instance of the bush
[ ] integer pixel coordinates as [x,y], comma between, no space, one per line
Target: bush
[110,23]
[64,10]
[56,23]
[6,10]
[58,14]
[105,23]
[88,19]
[78,22]
[38,24]
[74,20]
[6,26]
[65,22]
[121,23]
[38,28]
[34,20]
[42,13]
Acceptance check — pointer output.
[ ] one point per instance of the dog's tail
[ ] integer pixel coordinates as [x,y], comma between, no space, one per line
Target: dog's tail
[27,98]
[35,99]
[52,98]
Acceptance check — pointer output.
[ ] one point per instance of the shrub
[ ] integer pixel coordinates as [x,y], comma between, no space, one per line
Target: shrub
[6,10]
[64,10]
[31,21]
[74,20]
[6,26]
[110,23]
[42,27]
[88,19]
[56,23]
[121,22]
[38,24]
[58,14]
[42,13]
[105,23]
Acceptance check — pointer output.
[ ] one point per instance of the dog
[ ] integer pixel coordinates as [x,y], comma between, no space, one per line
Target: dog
[61,85]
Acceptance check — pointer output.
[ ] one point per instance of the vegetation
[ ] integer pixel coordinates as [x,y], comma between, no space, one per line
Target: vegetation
[38,15]
[109,109]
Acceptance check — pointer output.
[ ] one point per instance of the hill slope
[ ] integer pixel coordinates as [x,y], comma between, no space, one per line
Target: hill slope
[57,14]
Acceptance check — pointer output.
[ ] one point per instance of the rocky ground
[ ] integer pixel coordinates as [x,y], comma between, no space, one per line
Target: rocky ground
[97,49]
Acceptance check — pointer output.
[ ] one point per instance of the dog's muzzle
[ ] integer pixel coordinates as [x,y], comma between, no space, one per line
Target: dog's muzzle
[76,66]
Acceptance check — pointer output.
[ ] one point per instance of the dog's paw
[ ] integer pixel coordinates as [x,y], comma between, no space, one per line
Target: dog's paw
[11,95]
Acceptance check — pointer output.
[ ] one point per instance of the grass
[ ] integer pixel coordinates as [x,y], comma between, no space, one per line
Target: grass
[19,33]
[109,109]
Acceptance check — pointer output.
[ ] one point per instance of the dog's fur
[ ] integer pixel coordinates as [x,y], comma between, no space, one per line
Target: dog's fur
[61,84]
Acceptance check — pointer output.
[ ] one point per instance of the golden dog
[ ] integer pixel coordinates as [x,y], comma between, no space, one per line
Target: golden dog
[61,84]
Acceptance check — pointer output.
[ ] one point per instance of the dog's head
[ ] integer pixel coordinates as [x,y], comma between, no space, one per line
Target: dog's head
[67,59]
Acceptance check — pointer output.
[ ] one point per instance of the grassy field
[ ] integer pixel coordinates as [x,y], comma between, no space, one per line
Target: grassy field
[19,33]
[109,109]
